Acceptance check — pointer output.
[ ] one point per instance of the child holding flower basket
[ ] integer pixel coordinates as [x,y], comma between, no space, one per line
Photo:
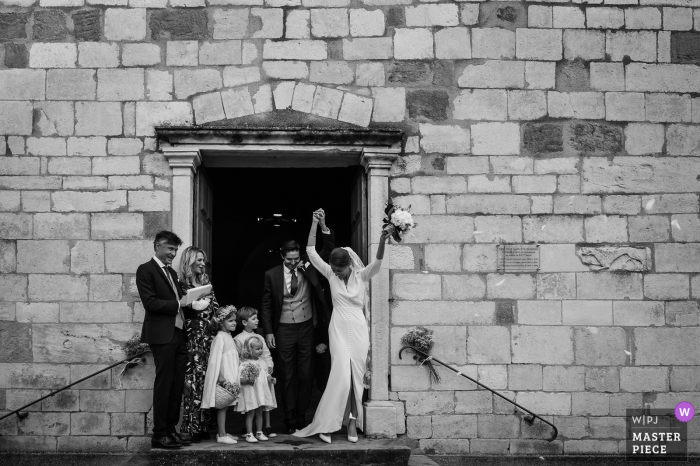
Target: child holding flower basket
[256,384]
[221,386]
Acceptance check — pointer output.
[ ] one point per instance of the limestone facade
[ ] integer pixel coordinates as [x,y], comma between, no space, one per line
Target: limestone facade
[572,125]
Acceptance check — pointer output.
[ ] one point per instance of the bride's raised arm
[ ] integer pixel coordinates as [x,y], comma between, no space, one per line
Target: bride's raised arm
[315,259]
[373,267]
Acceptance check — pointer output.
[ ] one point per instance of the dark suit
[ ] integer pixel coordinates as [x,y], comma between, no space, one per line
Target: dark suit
[167,343]
[295,342]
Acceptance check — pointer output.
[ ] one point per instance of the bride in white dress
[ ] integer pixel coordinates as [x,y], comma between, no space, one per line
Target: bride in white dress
[348,334]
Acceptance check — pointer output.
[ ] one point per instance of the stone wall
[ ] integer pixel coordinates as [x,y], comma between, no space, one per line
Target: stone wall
[569,125]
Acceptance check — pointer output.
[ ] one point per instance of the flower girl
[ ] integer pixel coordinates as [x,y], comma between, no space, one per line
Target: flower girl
[248,319]
[256,385]
[221,386]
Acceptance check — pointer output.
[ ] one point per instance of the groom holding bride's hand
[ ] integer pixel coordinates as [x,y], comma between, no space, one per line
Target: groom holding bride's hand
[293,305]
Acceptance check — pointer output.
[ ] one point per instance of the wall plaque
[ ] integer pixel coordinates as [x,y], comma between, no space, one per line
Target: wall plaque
[518,258]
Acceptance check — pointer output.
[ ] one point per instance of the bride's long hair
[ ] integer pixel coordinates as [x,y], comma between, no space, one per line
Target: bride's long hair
[191,279]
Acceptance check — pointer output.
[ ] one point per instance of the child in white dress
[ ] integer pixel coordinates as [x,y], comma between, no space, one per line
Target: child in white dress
[223,366]
[257,395]
[248,319]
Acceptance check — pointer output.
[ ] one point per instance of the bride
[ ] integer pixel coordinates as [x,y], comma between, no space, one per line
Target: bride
[341,402]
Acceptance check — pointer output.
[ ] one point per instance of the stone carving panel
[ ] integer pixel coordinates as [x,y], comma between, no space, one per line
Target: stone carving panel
[611,258]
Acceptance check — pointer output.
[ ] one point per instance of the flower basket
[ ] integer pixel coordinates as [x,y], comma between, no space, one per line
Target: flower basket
[225,394]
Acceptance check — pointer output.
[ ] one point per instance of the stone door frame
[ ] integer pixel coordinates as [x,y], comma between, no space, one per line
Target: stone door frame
[375,150]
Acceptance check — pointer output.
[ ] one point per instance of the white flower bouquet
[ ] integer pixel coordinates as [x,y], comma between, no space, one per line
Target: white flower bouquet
[400,218]
[249,372]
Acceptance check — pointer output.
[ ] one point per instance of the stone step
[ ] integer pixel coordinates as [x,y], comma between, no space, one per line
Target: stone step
[284,450]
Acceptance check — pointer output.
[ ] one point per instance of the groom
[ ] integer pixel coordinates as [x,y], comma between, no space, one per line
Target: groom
[293,304]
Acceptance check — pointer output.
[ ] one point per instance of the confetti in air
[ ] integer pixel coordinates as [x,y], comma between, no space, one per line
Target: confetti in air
[501,282]
[542,458]
[543,227]
[593,330]
[675,224]
[650,204]
[628,353]
[571,200]
[425,271]
[478,233]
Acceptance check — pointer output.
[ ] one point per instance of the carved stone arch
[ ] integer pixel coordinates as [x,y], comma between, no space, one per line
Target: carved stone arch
[241,143]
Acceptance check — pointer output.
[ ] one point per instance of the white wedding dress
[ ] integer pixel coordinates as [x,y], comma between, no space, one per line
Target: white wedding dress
[349,343]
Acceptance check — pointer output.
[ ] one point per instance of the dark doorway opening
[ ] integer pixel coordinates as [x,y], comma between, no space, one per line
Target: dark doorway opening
[253,210]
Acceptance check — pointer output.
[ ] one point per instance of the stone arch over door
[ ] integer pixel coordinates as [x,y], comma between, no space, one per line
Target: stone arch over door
[374,149]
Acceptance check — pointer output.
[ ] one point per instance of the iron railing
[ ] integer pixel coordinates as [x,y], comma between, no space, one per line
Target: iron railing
[23,415]
[529,419]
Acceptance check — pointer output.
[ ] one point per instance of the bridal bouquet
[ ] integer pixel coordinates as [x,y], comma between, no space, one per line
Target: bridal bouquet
[421,339]
[400,218]
[249,372]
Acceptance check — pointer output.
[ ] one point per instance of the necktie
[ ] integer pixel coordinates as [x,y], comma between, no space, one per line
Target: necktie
[294,285]
[178,318]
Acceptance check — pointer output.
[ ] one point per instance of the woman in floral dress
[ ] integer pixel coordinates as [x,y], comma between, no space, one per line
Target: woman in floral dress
[198,316]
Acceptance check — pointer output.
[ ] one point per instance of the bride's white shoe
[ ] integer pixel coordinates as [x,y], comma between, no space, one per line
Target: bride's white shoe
[350,438]
[325,437]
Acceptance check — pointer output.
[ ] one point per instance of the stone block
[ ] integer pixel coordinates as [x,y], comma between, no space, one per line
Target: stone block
[57,288]
[125,24]
[14,25]
[602,379]
[600,346]
[584,44]
[416,286]
[48,146]
[178,24]
[428,403]
[15,226]
[526,105]
[539,16]
[542,138]
[371,74]
[494,426]
[67,201]
[16,56]
[88,146]
[295,50]
[624,106]
[668,108]
[81,342]
[546,403]
[488,204]
[63,401]
[334,72]
[666,286]
[454,426]
[677,257]
[495,138]
[644,138]
[493,74]
[524,377]
[128,424]
[539,312]
[443,446]
[54,118]
[479,258]
[389,103]
[682,313]
[542,345]
[152,114]
[476,104]
[182,53]
[100,381]
[102,401]
[590,404]
[120,84]
[329,22]
[272,23]
[553,229]
[87,257]
[605,18]
[473,402]
[605,228]
[140,54]
[87,25]
[601,285]
[619,402]
[45,424]
[106,288]
[566,17]
[677,19]
[98,118]
[413,44]
[53,55]
[190,82]
[89,423]
[685,47]
[238,102]
[15,118]
[37,312]
[368,48]
[556,286]
[488,345]
[71,84]
[582,105]
[61,226]
[563,378]
[661,78]
[649,228]
[587,312]
[639,46]
[126,256]
[365,23]
[538,44]
[452,43]
[445,139]
[497,229]
[682,140]
[608,427]
[642,18]
[685,379]
[685,227]
[8,257]
[608,77]
[509,15]
[15,342]
[91,444]
[409,378]
[644,379]
[432,15]
[43,256]
[638,313]
[443,257]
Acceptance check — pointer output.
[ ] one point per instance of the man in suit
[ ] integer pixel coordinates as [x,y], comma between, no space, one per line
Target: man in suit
[294,303]
[163,330]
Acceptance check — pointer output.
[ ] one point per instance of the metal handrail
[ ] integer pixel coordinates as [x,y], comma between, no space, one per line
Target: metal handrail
[22,415]
[529,419]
